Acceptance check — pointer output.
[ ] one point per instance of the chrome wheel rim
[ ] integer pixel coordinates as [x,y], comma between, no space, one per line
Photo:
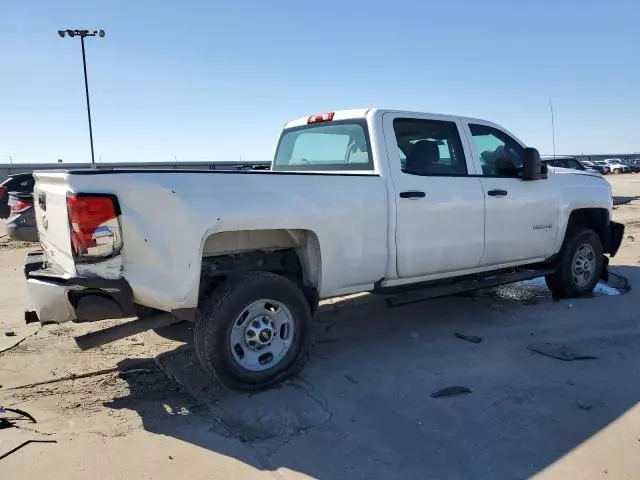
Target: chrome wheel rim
[584,265]
[262,335]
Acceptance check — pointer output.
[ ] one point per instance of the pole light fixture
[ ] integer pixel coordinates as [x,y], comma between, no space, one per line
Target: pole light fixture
[83,34]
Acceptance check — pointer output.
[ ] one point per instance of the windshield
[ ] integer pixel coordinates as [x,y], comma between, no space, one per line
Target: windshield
[325,146]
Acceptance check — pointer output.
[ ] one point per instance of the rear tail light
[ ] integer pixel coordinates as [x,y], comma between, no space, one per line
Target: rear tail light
[21,206]
[321,117]
[2,191]
[95,226]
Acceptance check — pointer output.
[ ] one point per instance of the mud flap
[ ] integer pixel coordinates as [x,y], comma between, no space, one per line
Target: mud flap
[604,275]
[616,232]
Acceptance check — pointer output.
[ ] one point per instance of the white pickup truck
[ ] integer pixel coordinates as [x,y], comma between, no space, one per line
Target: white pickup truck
[355,201]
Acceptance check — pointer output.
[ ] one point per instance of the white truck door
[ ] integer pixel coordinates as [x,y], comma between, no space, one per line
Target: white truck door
[439,200]
[521,216]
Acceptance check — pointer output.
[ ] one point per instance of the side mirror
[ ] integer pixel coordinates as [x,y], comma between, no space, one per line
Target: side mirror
[532,166]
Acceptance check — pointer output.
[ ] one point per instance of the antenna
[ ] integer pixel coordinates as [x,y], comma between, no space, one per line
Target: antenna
[553,129]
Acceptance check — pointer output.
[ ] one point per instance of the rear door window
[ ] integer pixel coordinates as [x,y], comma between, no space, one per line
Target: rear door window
[429,147]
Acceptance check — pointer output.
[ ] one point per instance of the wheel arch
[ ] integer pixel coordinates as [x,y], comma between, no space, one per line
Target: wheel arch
[596,219]
[291,252]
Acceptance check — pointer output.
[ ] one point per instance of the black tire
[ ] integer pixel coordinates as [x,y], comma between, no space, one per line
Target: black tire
[562,283]
[219,313]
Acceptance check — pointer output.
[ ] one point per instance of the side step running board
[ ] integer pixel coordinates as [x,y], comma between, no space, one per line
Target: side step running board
[123,330]
[465,286]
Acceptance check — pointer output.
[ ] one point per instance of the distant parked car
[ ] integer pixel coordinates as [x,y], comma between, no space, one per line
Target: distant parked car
[21,224]
[251,166]
[21,182]
[633,165]
[616,165]
[604,165]
[602,169]
[568,162]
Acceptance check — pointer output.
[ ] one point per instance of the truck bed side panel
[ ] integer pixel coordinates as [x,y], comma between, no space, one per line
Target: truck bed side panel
[167,216]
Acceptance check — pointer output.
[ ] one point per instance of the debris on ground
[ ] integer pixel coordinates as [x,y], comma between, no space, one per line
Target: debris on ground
[8,244]
[10,422]
[76,376]
[450,391]
[351,379]
[619,282]
[24,444]
[18,342]
[584,406]
[135,371]
[17,411]
[559,352]
[468,338]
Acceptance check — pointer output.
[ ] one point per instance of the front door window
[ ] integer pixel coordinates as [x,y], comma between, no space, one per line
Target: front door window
[500,155]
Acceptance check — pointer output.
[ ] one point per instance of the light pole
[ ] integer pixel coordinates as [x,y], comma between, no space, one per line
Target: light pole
[82,34]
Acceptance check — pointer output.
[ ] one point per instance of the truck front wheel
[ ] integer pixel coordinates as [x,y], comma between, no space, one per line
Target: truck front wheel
[253,332]
[579,265]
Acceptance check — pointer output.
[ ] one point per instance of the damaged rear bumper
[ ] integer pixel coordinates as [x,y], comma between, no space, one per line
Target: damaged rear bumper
[58,297]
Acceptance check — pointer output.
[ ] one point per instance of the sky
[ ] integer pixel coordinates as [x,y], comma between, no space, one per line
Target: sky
[216,80]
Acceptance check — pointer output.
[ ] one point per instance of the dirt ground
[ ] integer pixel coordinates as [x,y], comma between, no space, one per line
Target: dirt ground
[363,406]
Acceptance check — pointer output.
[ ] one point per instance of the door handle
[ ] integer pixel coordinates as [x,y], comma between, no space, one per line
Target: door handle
[42,201]
[412,194]
[497,193]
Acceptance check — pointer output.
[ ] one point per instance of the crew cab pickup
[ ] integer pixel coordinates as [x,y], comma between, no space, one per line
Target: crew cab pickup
[364,200]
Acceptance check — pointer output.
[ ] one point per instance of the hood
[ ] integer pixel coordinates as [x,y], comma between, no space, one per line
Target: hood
[571,171]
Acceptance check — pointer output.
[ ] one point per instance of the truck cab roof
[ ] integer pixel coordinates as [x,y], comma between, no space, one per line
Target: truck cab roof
[361,113]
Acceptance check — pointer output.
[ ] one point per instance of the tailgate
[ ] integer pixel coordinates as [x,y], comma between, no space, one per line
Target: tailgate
[50,204]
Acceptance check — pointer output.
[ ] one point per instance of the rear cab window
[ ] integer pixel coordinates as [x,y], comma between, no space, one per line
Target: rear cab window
[329,146]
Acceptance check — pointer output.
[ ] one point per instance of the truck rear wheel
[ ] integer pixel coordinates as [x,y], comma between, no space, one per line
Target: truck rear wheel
[253,331]
[579,265]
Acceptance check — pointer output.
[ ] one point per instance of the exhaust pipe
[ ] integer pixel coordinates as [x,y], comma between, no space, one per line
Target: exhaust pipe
[123,330]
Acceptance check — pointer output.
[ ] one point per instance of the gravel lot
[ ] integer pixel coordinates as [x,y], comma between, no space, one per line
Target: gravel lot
[363,407]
